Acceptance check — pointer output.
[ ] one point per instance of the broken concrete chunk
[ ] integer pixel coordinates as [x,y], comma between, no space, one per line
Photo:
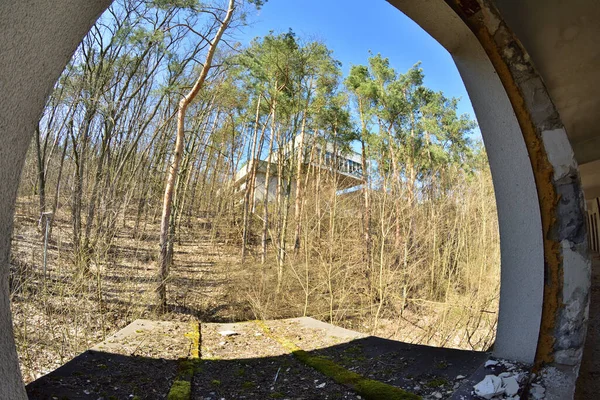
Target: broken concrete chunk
[228,333]
[489,387]
[511,386]
[491,363]
[537,392]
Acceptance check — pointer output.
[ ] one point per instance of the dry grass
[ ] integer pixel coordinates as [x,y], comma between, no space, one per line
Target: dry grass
[59,316]
[65,313]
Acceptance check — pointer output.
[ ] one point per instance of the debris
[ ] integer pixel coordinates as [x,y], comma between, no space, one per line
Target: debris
[491,363]
[228,333]
[537,392]
[492,386]
[511,385]
[437,395]
[489,387]
[321,386]
[459,377]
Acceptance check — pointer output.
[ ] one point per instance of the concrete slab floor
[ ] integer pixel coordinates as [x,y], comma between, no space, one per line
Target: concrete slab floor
[138,362]
[252,360]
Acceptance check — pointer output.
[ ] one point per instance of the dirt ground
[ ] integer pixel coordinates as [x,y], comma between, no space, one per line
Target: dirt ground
[60,315]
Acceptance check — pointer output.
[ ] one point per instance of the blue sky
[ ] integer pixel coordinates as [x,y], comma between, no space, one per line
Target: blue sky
[353,27]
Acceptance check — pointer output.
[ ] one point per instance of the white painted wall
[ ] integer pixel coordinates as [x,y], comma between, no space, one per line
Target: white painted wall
[260,188]
[521,247]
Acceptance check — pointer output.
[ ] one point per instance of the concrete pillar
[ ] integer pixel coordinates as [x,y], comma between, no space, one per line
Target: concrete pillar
[545,270]
[37,39]
[522,269]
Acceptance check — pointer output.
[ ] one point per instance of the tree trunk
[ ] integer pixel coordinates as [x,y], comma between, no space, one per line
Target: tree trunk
[366,195]
[41,178]
[299,187]
[263,257]
[165,223]
[249,178]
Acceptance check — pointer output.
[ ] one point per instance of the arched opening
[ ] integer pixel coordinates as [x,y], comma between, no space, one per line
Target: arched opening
[530,244]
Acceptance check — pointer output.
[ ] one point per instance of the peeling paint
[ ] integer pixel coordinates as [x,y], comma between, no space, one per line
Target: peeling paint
[558,148]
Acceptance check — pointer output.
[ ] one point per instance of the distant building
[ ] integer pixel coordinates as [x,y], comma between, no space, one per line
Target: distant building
[346,165]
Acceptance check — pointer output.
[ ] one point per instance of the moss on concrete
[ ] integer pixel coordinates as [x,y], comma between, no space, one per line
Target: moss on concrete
[182,386]
[187,368]
[180,390]
[370,389]
[437,382]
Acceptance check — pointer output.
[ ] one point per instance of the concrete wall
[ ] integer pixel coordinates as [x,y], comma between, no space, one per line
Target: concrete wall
[590,178]
[561,38]
[36,41]
[545,265]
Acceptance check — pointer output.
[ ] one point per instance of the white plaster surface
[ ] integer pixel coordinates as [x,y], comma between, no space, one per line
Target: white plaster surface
[576,285]
[559,152]
[562,39]
[580,272]
[522,271]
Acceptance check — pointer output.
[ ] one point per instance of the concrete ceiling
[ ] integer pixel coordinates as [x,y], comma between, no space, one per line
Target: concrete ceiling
[590,179]
[562,38]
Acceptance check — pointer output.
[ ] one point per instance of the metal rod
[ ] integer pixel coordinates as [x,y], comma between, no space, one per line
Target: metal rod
[45,216]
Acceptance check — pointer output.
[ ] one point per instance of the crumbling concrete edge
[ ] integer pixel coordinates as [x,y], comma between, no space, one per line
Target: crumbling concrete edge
[567,266]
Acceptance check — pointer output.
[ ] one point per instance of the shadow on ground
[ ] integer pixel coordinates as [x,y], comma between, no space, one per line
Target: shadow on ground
[100,375]
[419,369]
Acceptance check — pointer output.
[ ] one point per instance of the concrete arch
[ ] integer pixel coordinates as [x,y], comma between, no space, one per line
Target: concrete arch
[545,272]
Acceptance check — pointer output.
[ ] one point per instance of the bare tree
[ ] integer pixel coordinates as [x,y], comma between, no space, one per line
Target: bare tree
[163,262]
